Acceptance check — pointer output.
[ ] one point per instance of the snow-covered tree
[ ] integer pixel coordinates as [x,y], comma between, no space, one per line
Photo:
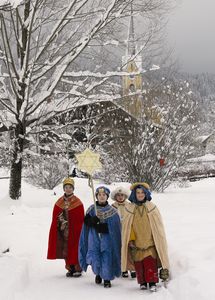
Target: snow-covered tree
[163,140]
[39,41]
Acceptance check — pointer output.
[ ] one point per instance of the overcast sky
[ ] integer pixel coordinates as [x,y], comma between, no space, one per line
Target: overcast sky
[191,32]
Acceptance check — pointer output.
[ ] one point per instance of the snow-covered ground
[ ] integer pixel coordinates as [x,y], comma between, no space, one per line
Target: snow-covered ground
[26,274]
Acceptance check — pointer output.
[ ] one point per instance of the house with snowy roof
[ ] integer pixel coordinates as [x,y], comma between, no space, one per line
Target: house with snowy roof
[205,144]
[202,163]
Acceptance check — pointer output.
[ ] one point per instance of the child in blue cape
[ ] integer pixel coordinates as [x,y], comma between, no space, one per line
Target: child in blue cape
[100,241]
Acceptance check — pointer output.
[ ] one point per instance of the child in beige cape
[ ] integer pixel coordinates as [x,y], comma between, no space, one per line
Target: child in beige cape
[144,238]
[120,195]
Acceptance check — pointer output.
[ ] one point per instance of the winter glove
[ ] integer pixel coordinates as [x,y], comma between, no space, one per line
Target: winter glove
[62,222]
[63,225]
[131,245]
[102,228]
[91,221]
[132,250]
[164,274]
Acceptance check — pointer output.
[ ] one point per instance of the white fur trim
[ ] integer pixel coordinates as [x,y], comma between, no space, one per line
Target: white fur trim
[120,190]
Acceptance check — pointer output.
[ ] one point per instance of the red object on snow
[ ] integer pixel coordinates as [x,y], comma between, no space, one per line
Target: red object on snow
[75,221]
[162,162]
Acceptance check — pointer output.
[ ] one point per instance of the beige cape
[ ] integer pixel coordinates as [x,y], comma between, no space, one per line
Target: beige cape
[123,213]
[158,233]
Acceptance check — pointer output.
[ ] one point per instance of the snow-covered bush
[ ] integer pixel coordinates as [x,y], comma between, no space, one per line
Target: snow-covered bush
[47,171]
[168,139]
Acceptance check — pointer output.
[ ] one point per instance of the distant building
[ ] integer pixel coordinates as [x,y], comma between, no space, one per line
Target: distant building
[205,144]
[202,162]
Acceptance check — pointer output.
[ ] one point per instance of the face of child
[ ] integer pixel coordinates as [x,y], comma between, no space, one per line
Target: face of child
[120,198]
[140,195]
[102,197]
[68,189]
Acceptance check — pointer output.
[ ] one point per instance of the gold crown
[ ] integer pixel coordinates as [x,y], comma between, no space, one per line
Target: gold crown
[68,181]
[144,184]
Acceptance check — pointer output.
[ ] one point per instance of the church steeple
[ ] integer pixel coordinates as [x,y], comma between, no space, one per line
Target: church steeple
[132,83]
[131,47]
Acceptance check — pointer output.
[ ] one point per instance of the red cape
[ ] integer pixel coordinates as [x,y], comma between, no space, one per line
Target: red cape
[75,220]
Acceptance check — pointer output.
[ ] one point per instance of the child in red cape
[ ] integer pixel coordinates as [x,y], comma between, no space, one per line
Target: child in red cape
[67,221]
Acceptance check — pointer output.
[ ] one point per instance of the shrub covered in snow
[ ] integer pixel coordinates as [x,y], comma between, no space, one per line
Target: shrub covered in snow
[47,171]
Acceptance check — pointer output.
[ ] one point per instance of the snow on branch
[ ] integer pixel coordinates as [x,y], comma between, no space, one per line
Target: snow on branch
[8,4]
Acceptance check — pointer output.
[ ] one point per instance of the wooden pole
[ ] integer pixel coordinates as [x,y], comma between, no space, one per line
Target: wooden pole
[92,187]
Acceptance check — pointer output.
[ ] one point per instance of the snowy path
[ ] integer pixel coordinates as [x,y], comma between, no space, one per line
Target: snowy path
[189,216]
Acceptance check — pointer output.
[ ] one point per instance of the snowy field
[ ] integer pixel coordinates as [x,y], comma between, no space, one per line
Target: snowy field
[26,274]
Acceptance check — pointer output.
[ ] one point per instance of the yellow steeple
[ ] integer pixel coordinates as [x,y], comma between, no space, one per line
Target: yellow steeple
[132,83]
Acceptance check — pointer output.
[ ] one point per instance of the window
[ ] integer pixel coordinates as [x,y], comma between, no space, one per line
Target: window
[132,88]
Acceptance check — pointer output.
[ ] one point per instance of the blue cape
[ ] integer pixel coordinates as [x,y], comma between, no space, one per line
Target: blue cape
[102,251]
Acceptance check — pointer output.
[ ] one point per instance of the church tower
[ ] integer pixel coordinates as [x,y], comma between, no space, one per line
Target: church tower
[132,83]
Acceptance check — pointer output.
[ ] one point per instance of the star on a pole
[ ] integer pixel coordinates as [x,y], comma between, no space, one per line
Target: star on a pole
[88,161]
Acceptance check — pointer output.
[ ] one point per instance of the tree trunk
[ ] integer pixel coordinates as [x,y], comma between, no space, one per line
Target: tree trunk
[19,131]
[16,163]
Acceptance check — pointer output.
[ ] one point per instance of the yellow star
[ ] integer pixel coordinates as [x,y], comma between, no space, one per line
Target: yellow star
[88,161]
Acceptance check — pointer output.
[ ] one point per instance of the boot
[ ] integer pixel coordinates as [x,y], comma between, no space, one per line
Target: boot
[107,283]
[69,274]
[143,286]
[98,279]
[133,274]
[77,274]
[152,287]
[125,274]
[73,273]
